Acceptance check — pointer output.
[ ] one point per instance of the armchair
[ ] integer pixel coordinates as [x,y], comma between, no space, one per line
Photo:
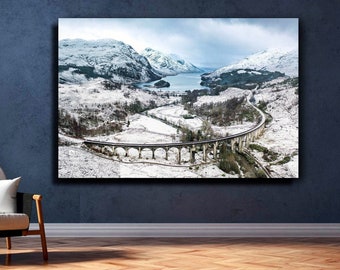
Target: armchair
[17,223]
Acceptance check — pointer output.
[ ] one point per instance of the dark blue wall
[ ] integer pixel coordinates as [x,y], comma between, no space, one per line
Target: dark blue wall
[28,102]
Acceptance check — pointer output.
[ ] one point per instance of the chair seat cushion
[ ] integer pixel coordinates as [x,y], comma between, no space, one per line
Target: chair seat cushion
[13,221]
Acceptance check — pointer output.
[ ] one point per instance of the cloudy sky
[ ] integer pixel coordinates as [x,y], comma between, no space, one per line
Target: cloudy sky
[203,42]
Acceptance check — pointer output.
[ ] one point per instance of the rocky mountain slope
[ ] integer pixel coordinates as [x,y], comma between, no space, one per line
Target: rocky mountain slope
[254,70]
[166,64]
[270,60]
[82,60]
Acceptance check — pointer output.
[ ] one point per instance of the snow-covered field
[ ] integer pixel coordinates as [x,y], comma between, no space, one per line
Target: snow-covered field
[142,129]
[281,135]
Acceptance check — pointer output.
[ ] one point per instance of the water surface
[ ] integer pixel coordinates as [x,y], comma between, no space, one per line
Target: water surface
[178,83]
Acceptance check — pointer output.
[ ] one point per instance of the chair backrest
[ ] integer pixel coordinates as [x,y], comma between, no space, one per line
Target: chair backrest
[24,200]
[24,203]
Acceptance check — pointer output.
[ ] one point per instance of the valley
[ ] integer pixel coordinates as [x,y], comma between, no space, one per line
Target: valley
[112,105]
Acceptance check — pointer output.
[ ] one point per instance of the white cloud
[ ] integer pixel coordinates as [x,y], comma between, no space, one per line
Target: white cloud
[204,42]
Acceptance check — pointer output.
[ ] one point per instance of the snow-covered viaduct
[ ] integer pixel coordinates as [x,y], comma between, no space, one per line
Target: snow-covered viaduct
[234,142]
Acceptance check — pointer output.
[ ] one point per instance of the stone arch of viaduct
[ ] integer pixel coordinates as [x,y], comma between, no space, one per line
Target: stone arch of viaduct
[234,142]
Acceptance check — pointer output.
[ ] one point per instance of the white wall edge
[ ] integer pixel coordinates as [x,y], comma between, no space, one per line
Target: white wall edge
[191,229]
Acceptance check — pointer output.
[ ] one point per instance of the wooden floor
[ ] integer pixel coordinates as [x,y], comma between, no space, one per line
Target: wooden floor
[173,253]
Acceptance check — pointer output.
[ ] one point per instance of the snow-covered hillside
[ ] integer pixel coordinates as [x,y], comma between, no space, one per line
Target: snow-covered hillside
[280,99]
[93,108]
[167,64]
[270,60]
[81,60]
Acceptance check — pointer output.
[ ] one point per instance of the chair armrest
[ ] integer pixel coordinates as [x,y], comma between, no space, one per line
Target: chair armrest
[37,197]
[38,205]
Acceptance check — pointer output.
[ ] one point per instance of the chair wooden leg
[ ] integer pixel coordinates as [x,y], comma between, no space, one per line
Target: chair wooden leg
[8,259]
[43,243]
[8,242]
[37,199]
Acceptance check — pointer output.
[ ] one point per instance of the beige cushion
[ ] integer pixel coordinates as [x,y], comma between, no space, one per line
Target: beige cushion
[13,221]
[8,195]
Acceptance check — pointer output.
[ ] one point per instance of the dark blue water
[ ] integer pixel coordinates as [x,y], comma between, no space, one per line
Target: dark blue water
[178,83]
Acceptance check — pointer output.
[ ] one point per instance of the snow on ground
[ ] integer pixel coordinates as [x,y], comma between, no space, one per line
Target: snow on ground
[142,129]
[76,162]
[232,129]
[288,170]
[160,171]
[92,93]
[174,114]
[282,133]
[226,95]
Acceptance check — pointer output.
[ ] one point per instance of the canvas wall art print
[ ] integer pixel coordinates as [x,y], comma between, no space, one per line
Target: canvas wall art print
[178,98]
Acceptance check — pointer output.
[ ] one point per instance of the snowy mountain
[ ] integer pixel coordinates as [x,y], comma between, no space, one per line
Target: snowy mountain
[81,60]
[270,60]
[168,64]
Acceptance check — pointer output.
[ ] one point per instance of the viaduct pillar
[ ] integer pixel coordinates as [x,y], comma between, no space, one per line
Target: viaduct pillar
[205,152]
[215,150]
[166,153]
[179,154]
[192,153]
